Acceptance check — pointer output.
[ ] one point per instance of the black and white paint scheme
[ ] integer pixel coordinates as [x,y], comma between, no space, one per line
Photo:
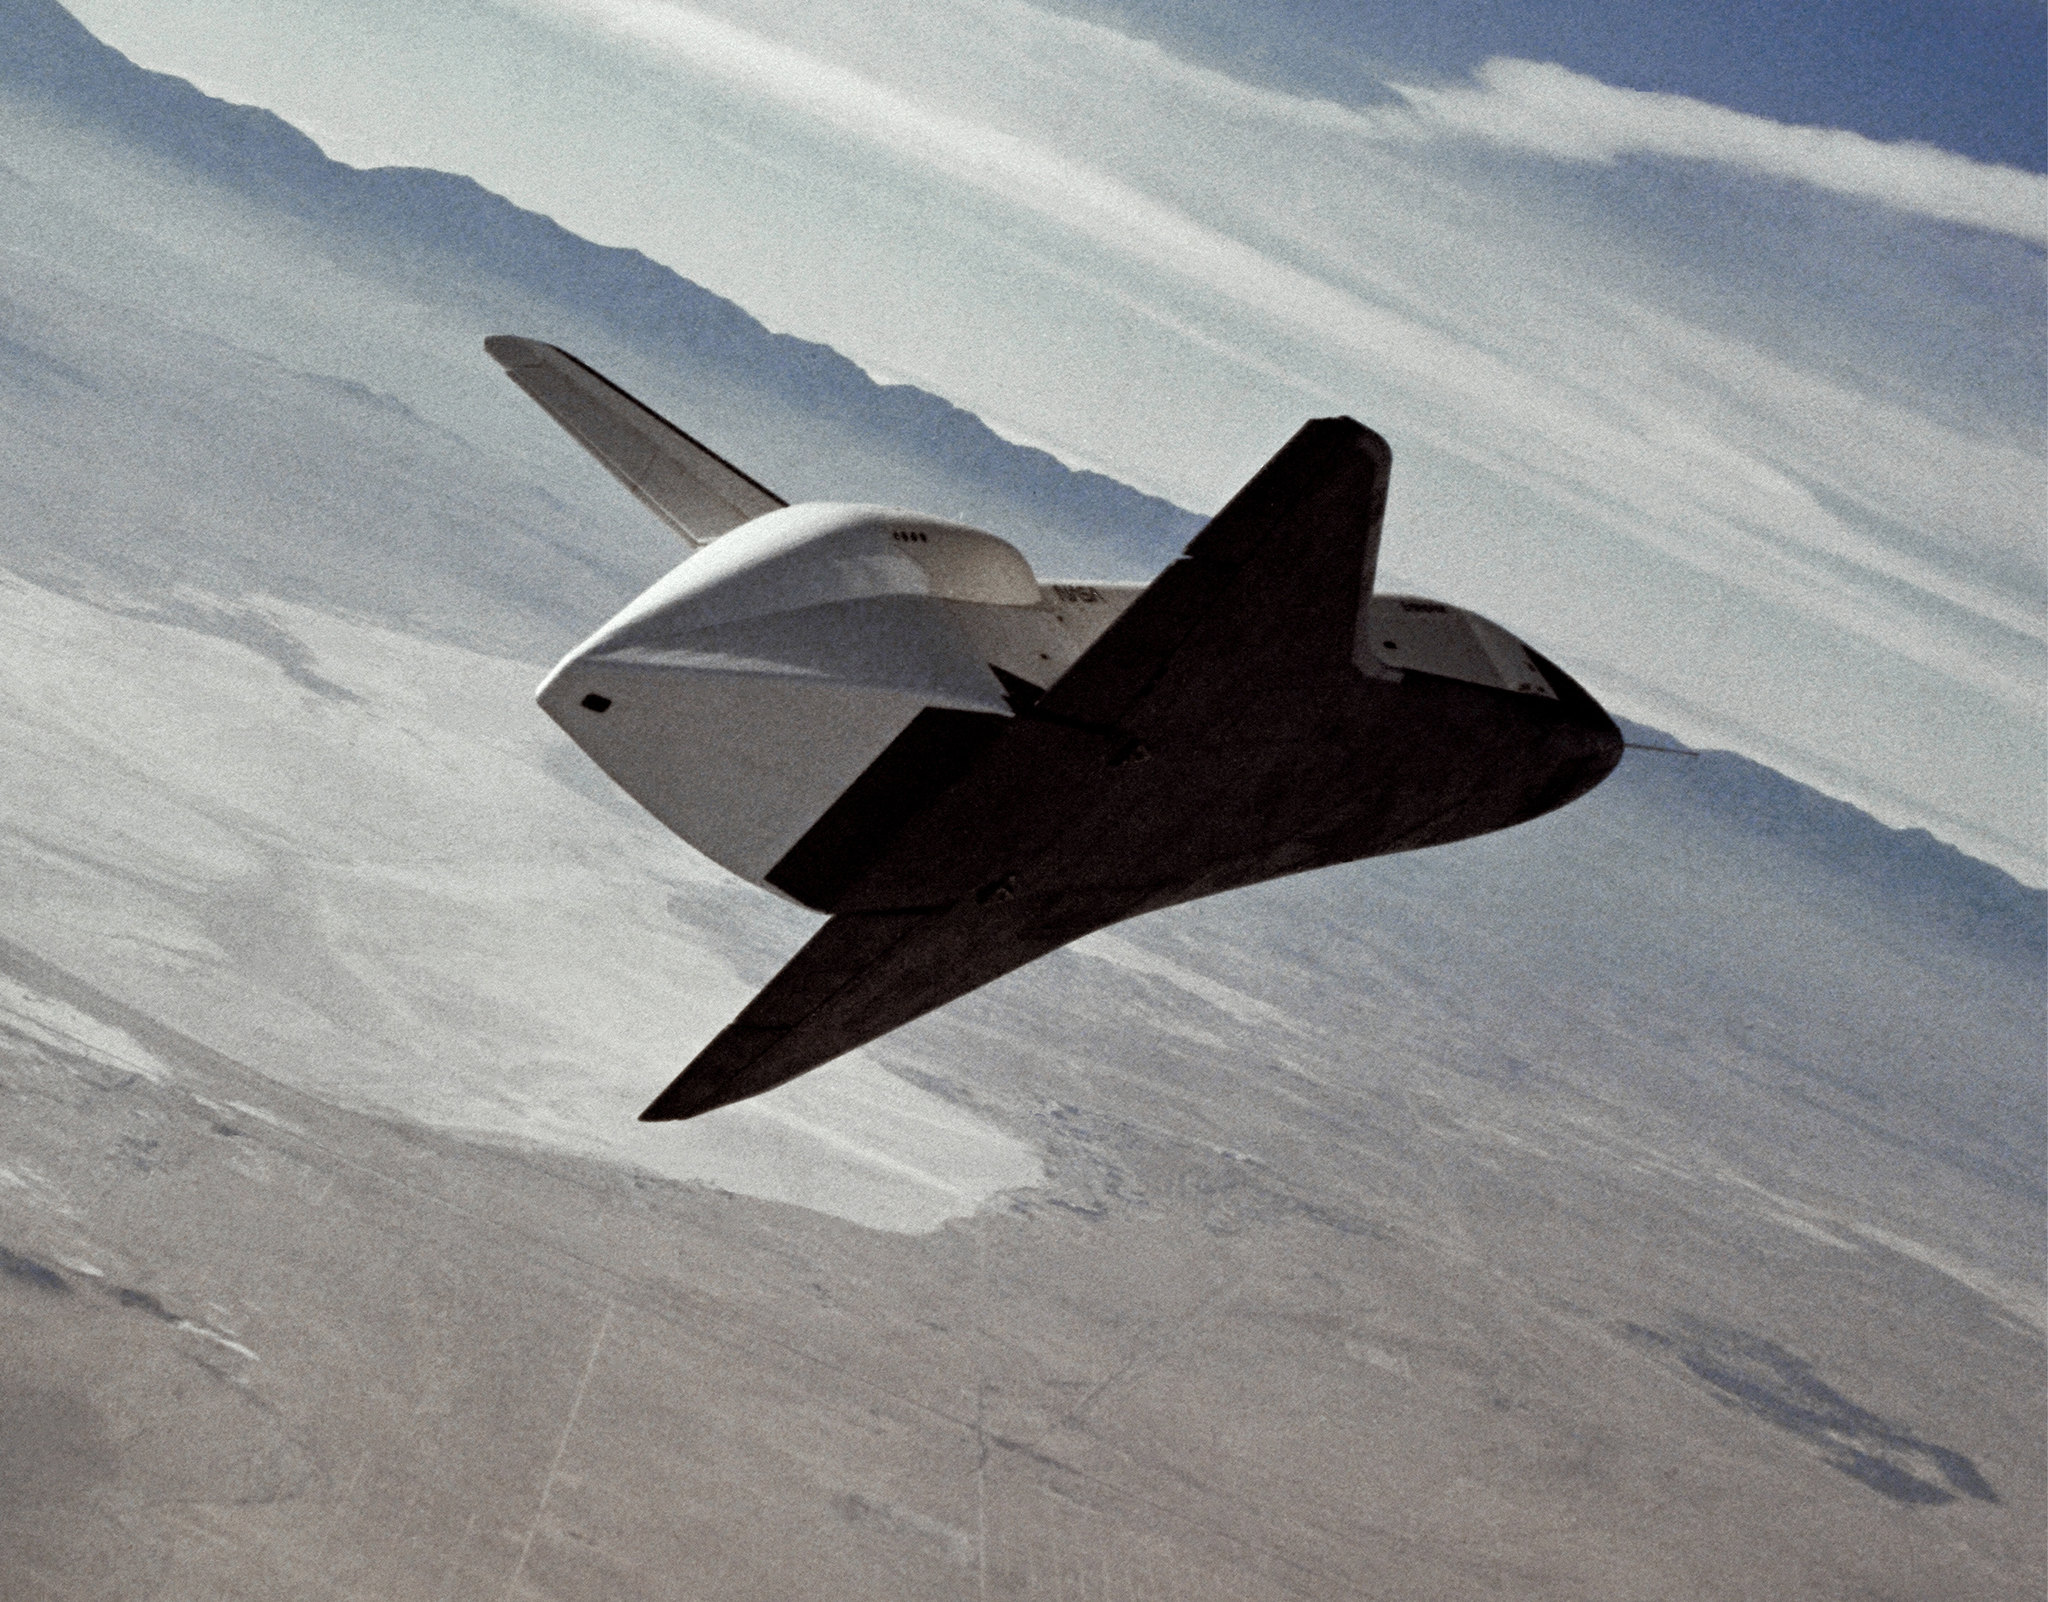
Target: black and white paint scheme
[887,718]
[1641,1201]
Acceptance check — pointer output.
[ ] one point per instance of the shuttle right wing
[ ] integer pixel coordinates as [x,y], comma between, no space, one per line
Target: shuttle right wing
[695,491]
[1100,799]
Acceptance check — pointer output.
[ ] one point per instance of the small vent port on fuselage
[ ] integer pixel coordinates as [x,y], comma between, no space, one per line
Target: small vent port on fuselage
[1416,635]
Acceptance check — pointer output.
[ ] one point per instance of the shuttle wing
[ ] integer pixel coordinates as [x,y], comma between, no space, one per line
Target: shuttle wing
[1134,782]
[696,492]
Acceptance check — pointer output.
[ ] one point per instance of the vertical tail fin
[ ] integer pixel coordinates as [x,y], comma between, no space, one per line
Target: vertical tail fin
[695,491]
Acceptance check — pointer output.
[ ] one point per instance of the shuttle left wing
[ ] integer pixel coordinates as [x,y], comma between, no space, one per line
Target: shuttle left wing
[1105,797]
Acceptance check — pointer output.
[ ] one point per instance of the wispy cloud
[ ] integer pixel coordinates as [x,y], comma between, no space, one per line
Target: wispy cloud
[1296,243]
[1780,460]
[1639,458]
[1539,106]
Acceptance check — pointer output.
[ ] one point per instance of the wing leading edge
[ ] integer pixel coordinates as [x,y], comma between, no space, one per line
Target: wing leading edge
[1181,754]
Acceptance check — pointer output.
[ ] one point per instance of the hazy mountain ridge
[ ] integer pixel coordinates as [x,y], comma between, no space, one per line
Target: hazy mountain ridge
[414,220]
[1909,870]
[1516,1217]
[444,236]
[422,224]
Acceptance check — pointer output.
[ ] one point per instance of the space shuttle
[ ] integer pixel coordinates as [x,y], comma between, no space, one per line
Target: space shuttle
[888,718]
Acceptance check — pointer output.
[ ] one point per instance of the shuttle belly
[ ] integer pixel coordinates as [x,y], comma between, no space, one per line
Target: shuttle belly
[887,718]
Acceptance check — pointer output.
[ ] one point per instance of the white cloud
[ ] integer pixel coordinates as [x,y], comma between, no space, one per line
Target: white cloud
[1633,454]
[1795,490]
[1539,106]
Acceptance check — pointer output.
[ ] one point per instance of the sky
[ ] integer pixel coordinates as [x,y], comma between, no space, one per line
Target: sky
[1710,351]
[1965,75]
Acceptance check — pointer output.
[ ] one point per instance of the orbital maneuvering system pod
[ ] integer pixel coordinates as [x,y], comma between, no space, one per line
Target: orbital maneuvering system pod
[887,718]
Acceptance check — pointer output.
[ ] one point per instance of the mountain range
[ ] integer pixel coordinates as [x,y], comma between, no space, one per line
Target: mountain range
[1644,1202]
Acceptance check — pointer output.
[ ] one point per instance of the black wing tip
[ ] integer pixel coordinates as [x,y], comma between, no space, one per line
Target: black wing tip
[687,1095]
[1328,440]
[1349,430]
[514,350]
[725,1071]
[674,1105]
[683,1101]
[1323,455]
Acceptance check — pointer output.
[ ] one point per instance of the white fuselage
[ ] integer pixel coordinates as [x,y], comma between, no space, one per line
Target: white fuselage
[741,695]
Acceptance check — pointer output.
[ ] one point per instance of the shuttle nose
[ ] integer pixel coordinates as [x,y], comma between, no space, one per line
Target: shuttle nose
[1584,744]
